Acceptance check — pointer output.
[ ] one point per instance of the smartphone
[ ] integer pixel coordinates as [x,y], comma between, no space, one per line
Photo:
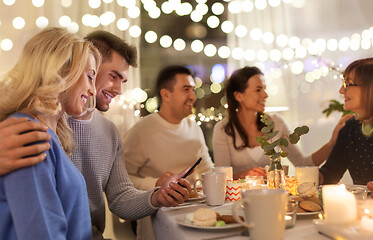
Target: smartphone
[192,168]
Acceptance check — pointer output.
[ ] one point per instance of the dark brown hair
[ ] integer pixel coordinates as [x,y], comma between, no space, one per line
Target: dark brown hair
[107,42]
[363,69]
[238,82]
[166,79]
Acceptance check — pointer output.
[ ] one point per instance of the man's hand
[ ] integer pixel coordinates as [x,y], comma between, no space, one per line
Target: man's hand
[15,133]
[173,195]
[163,178]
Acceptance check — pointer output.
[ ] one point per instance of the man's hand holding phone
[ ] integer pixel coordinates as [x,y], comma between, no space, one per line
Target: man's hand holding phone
[175,189]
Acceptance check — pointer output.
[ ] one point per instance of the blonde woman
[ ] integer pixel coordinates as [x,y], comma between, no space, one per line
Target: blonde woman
[54,76]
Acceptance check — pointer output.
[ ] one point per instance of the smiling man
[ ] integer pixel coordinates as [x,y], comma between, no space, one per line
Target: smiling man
[99,150]
[168,141]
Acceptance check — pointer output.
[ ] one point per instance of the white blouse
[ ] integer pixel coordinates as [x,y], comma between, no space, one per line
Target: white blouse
[241,160]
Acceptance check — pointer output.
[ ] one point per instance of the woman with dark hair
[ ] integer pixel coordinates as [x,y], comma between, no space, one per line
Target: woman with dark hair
[234,141]
[353,150]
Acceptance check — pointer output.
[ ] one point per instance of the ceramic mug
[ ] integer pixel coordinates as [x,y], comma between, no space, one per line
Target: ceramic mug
[307,174]
[227,170]
[214,188]
[265,211]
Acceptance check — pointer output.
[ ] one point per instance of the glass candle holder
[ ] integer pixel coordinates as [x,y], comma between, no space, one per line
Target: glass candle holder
[253,182]
[291,214]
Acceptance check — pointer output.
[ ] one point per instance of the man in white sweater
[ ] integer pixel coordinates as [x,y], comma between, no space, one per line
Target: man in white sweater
[167,141]
[99,149]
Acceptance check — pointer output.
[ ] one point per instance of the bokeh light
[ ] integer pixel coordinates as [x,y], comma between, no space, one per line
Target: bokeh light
[6,44]
[42,22]
[18,23]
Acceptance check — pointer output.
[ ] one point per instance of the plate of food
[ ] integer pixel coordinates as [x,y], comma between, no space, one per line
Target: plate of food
[192,199]
[308,200]
[308,213]
[207,219]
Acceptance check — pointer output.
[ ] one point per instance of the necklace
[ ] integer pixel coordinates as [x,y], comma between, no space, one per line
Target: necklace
[367,129]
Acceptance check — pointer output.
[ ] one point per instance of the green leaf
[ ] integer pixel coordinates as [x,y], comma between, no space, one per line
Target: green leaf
[265,130]
[263,118]
[271,134]
[284,142]
[268,153]
[335,106]
[276,155]
[270,124]
[298,131]
[269,147]
[277,142]
[294,138]
[305,130]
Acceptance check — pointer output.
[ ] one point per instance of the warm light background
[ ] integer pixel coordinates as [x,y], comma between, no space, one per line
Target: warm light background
[297,43]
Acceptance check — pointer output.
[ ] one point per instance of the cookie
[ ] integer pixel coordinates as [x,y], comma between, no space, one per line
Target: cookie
[310,206]
[204,217]
[306,190]
[315,199]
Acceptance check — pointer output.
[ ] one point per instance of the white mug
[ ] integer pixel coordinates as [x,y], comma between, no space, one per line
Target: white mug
[214,187]
[227,170]
[265,211]
[307,174]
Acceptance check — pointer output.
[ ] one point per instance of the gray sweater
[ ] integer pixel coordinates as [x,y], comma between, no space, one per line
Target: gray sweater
[99,156]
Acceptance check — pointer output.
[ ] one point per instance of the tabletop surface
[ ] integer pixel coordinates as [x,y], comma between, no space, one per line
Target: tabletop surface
[166,226]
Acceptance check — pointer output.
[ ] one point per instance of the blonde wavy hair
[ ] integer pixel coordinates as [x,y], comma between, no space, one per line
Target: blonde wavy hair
[51,62]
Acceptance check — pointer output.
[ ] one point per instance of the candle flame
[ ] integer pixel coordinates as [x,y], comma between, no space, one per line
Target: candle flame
[321,216]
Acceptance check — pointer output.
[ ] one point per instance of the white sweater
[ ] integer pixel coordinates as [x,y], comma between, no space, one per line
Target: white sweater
[153,146]
[226,155]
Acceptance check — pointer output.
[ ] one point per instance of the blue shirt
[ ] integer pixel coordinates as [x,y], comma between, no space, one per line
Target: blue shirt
[45,201]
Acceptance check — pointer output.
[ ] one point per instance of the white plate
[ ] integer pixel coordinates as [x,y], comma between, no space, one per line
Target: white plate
[308,213]
[195,199]
[346,231]
[181,220]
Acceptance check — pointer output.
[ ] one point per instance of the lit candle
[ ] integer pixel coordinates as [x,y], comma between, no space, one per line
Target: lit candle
[366,221]
[253,182]
[339,204]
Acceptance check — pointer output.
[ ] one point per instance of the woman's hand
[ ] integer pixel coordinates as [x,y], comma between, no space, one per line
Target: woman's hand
[341,123]
[255,171]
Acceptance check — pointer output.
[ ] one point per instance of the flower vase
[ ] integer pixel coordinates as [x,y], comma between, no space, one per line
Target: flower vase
[275,174]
